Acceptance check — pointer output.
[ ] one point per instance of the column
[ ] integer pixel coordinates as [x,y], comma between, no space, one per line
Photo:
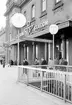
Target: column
[15,53]
[67,51]
[49,51]
[45,51]
[20,54]
[8,55]
[36,51]
[24,51]
[63,48]
[27,53]
[33,51]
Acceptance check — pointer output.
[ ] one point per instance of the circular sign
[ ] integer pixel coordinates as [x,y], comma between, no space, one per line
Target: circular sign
[53,29]
[18,20]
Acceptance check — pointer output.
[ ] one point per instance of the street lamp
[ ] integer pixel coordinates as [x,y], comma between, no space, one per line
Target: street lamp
[53,29]
[18,20]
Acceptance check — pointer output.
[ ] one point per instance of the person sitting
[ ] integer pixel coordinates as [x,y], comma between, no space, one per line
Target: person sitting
[25,62]
[43,62]
[50,63]
[36,61]
[63,62]
[56,61]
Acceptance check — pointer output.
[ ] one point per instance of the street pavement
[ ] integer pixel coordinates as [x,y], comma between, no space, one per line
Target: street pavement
[14,93]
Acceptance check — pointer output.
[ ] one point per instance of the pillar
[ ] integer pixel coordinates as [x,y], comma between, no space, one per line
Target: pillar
[49,51]
[63,48]
[45,51]
[24,51]
[27,53]
[67,51]
[34,50]
[14,52]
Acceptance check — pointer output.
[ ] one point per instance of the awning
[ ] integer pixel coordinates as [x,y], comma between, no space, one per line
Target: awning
[65,24]
[60,25]
[23,39]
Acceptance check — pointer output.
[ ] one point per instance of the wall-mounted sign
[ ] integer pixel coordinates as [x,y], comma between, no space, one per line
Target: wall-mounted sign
[53,29]
[41,25]
[29,29]
[18,20]
[35,28]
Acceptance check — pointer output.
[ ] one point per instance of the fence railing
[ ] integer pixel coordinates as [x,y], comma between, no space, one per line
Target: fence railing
[55,82]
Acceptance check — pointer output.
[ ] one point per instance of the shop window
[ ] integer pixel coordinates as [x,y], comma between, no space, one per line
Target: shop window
[58,4]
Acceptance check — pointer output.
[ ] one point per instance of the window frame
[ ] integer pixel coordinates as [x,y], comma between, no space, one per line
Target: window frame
[33,9]
[43,13]
[58,5]
[42,5]
[57,1]
[25,13]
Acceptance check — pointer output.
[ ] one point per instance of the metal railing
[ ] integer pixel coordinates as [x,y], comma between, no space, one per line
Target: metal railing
[53,81]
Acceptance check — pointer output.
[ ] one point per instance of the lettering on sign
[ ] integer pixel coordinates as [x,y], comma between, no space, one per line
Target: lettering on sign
[35,28]
[41,25]
[29,29]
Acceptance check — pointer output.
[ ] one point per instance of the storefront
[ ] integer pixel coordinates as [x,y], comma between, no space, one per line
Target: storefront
[36,42]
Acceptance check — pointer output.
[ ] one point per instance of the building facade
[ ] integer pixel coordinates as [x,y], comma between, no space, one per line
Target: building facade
[35,41]
[2,40]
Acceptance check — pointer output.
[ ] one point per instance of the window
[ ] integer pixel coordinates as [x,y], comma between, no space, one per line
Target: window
[43,8]
[25,13]
[43,5]
[58,4]
[33,11]
[58,1]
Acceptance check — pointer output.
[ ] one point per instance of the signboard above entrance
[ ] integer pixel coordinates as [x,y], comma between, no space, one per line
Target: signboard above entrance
[30,29]
[41,25]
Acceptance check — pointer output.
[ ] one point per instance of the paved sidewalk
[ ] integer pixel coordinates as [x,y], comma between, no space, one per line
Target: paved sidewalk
[13,93]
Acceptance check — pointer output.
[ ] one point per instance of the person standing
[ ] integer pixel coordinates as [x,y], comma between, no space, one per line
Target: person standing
[3,63]
[50,63]
[36,62]
[43,62]
[25,62]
